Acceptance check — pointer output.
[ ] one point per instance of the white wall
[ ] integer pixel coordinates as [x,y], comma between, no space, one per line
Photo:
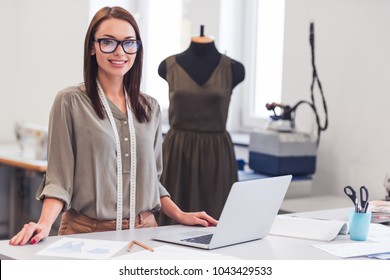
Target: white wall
[352,40]
[41,53]
[7,92]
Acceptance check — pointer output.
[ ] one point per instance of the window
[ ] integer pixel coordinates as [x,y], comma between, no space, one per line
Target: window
[162,29]
[264,60]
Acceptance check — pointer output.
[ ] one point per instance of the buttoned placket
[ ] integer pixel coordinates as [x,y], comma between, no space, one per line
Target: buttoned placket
[125,145]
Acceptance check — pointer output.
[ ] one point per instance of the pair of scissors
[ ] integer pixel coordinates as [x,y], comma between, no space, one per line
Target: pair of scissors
[363,198]
[351,193]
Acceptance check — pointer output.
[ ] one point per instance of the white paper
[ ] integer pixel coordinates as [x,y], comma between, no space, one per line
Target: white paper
[354,249]
[78,248]
[167,252]
[385,256]
[379,233]
[315,229]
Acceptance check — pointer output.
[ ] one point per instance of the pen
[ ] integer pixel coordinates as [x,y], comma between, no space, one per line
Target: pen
[146,247]
[356,206]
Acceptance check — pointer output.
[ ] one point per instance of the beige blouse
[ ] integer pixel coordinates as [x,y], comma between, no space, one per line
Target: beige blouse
[81,167]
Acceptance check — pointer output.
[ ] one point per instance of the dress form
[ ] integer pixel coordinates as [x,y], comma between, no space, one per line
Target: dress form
[199,164]
[200,60]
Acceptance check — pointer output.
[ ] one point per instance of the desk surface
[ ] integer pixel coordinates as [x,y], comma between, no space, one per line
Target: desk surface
[268,248]
[10,155]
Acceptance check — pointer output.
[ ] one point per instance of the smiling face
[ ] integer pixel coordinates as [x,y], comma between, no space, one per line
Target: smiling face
[116,64]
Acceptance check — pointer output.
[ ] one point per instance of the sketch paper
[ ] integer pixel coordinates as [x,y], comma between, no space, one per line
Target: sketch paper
[78,248]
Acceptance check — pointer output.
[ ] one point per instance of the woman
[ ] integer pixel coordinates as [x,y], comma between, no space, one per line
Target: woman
[93,123]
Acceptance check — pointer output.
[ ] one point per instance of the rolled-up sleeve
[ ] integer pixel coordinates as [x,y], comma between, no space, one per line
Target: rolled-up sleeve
[158,153]
[58,182]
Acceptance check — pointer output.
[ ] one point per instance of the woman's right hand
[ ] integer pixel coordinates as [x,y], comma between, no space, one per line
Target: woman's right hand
[31,233]
[34,232]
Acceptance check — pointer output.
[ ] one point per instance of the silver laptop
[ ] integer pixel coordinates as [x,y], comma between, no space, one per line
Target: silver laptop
[248,214]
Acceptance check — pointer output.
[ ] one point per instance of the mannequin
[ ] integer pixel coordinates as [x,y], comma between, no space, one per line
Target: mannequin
[199,164]
[200,60]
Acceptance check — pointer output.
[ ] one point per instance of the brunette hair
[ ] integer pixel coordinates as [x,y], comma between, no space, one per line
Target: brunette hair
[132,78]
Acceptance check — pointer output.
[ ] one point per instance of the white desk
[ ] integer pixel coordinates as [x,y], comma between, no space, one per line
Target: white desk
[268,248]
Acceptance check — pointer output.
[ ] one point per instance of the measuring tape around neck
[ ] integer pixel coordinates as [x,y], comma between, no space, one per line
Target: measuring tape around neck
[133,158]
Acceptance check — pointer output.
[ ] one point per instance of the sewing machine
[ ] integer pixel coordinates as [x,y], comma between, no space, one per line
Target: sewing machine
[32,140]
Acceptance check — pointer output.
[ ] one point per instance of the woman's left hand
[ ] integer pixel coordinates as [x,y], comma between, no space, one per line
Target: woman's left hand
[170,209]
[196,218]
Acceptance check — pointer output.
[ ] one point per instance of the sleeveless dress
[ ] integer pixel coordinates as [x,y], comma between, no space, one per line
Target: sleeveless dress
[199,164]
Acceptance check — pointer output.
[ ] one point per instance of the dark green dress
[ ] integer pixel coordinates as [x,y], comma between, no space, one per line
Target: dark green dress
[199,164]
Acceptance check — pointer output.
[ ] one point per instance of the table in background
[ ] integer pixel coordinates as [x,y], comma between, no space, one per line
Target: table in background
[25,177]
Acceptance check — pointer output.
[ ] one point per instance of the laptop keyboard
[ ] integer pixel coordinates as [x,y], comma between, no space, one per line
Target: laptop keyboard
[203,239]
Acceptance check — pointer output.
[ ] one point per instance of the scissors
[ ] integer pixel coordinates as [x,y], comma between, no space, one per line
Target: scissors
[363,198]
[351,193]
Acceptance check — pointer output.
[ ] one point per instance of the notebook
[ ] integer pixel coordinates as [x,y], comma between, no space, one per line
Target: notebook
[248,214]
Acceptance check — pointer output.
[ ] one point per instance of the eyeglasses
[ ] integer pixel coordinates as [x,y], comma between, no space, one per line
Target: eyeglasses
[108,45]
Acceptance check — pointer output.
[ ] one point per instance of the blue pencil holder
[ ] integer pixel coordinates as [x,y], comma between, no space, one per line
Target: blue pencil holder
[359,225]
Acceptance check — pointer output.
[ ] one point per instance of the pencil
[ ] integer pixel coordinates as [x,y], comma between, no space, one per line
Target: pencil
[143,245]
[130,246]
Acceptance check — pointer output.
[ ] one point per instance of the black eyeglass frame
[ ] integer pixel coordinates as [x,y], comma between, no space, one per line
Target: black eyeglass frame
[118,42]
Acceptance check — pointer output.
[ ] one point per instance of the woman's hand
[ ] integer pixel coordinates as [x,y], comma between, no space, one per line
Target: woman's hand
[170,209]
[31,233]
[34,232]
[196,218]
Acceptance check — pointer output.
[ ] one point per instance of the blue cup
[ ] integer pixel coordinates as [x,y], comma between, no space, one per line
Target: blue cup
[359,224]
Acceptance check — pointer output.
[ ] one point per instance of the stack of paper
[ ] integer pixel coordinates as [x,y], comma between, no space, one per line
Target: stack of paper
[380,211]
